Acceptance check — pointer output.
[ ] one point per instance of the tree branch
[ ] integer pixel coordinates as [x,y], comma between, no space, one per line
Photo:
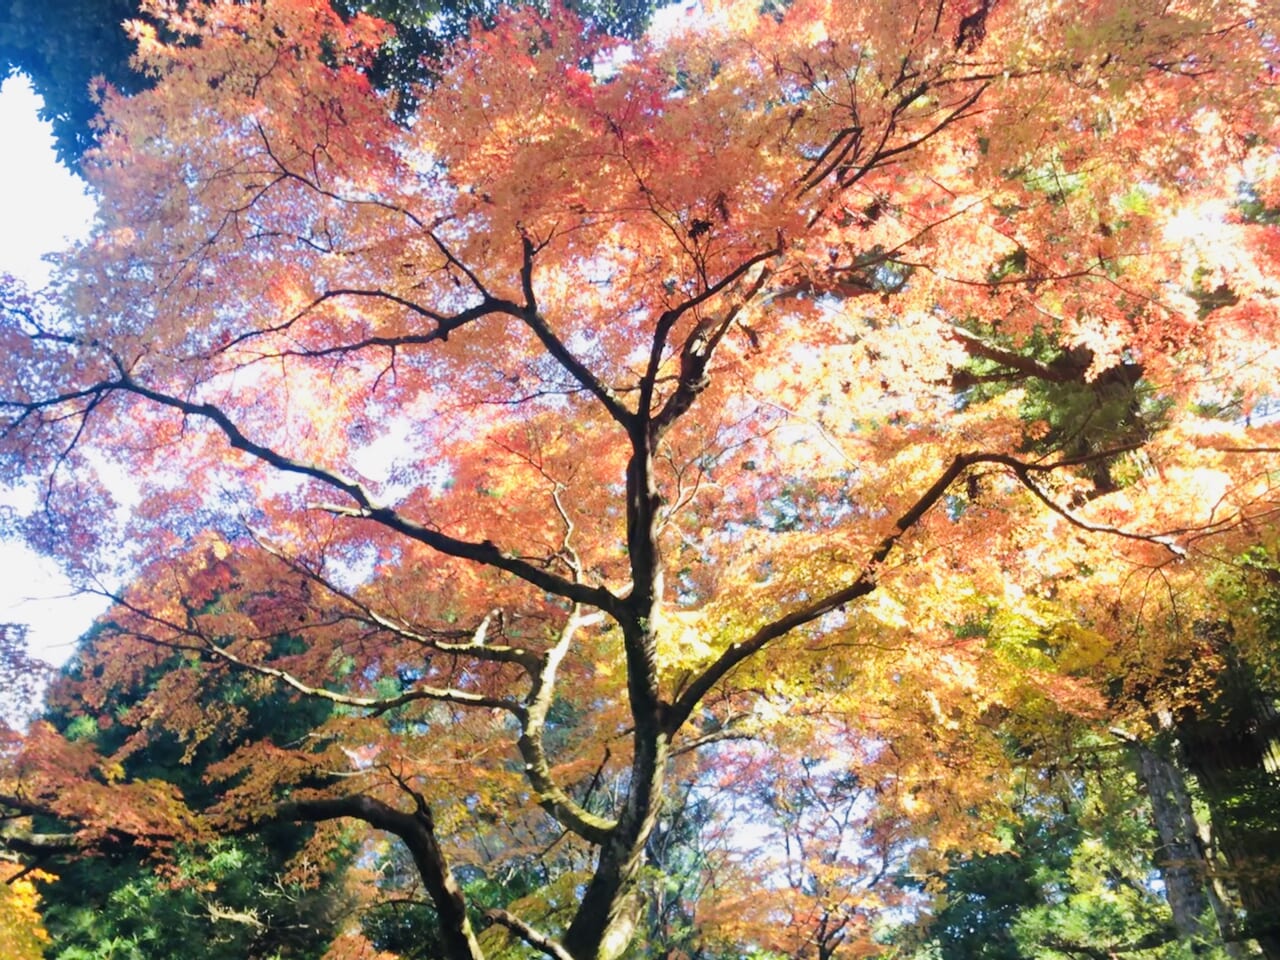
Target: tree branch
[667,320]
[375,705]
[864,584]
[417,831]
[486,553]
[445,324]
[867,580]
[1023,472]
[529,935]
[41,844]
[202,644]
[696,355]
[556,347]
[975,346]
[478,646]
[537,768]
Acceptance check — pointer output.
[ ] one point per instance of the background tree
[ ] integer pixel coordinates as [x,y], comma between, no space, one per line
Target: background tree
[267,896]
[1203,708]
[617,392]
[1227,738]
[1074,882]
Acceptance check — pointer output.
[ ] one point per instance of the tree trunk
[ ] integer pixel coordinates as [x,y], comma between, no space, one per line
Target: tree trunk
[605,923]
[1230,746]
[1179,857]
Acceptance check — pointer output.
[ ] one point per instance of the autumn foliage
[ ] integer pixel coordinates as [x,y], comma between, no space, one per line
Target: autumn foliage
[764,412]
[21,935]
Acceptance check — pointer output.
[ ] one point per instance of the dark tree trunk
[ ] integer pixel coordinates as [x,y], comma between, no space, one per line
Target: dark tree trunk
[1179,857]
[1230,746]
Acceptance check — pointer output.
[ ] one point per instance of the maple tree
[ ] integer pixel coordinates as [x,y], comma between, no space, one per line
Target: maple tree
[681,413]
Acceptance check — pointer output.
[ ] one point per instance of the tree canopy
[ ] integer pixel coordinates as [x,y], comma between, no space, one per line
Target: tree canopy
[69,47]
[776,415]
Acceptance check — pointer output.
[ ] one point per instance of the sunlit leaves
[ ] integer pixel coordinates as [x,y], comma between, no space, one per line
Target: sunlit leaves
[21,935]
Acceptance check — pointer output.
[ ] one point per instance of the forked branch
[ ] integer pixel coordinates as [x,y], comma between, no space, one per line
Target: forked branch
[557,347]
[417,831]
[867,581]
[668,319]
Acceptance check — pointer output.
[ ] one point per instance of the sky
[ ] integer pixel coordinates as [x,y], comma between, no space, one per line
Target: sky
[42,208]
